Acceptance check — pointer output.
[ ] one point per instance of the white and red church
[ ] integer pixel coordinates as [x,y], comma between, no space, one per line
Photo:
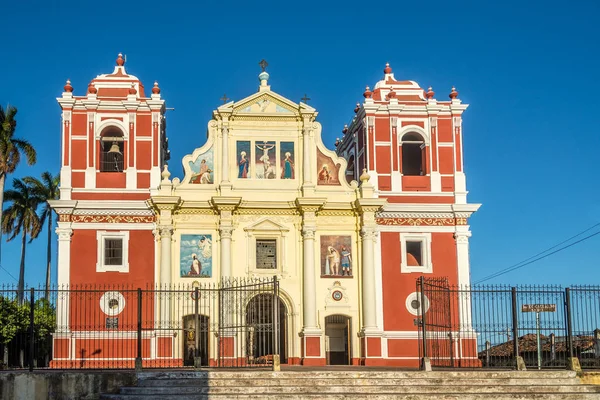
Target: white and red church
[346,232]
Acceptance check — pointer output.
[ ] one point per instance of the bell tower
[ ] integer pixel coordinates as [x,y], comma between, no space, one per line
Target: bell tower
[113,138]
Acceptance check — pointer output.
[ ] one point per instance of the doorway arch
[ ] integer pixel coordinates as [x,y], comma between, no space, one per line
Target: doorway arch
[337,339]
[259,322]
[189,339]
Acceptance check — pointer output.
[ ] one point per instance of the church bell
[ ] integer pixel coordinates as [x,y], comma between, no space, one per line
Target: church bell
[114,149]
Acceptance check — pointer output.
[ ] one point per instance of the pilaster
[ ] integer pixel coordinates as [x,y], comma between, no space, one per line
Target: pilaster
[311,332]
[225,206]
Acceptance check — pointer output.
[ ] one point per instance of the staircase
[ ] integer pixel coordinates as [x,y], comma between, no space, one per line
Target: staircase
[358,384]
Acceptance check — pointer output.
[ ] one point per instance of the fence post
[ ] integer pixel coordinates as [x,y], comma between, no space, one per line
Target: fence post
[31,329]
[425,363]
[573,362]
[138,360]
[519,363]
[197,358]
[276,355]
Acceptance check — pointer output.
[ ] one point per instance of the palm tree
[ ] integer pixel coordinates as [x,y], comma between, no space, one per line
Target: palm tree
[20,217]
[11,149]
[46,189]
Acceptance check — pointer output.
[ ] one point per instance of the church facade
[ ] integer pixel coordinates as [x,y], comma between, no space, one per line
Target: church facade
[346,232]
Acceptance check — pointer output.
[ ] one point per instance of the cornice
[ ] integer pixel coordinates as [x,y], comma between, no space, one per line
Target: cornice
[310,204]
[225,203]
[165,202]
[370,205]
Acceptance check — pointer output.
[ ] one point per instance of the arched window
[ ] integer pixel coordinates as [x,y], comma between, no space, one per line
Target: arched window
[413,154]
[111,150]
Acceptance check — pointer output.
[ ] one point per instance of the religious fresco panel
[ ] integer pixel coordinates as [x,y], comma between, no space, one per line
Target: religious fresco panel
[288,168]
[203,168]
[195,256]
[266,166]
[244,155]
[336,256]
[327,170]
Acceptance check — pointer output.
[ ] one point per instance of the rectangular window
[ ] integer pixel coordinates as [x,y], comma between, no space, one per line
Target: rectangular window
[416,253]
[266,253]
[113,251]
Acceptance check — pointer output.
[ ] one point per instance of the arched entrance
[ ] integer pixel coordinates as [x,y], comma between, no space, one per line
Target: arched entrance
[259,321]
[189,339]
[337,340]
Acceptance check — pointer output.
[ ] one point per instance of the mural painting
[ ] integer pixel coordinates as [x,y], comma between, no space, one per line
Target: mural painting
[287,160]
[195,256]
[327,170]
[265,160]
[244,154]
[202,168]
[336,256]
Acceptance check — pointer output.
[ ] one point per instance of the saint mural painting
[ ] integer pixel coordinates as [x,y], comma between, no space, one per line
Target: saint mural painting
[287,160]
[244,153]
[195,255]
[202,168]
[336,256]
[328,170]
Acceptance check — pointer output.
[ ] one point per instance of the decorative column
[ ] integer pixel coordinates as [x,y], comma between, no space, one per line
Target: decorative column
[312,346]
[226,186]
[225,158]
[367,234]
[166,236]
[225,206]
[226,230]
[64,233]
[308,186]
[367,206]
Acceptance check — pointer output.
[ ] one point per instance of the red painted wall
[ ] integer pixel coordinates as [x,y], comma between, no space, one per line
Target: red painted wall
[397,286]
[84,249]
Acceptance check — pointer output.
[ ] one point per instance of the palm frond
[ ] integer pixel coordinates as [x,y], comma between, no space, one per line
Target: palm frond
[27,149]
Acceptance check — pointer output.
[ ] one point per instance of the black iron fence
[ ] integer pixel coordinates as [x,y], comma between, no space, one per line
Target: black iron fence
[234,323]
[489,325]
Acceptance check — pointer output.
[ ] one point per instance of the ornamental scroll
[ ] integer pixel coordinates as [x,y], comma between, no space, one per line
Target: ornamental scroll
[108,219]
[422,221]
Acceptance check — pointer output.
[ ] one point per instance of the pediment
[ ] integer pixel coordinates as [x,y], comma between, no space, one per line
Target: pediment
[266,102]
[266,224]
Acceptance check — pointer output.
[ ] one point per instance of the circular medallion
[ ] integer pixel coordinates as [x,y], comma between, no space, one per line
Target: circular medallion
[413,303]
[337,295]
[112,303]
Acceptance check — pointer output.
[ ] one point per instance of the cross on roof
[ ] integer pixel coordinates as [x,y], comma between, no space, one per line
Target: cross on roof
[263,64]
[224,99]
[305,98]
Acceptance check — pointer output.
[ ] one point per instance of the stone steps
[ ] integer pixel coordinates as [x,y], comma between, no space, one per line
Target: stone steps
[363,373]
[293,381]
[346,396]
[357,384]
[290,389]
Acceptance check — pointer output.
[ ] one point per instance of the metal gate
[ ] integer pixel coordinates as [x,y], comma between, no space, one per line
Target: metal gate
[435,321]
[234,323]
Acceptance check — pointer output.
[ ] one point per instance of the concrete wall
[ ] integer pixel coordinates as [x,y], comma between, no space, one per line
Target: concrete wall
[60,385]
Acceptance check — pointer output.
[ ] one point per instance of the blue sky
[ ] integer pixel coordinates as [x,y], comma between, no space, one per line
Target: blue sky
[528,70]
